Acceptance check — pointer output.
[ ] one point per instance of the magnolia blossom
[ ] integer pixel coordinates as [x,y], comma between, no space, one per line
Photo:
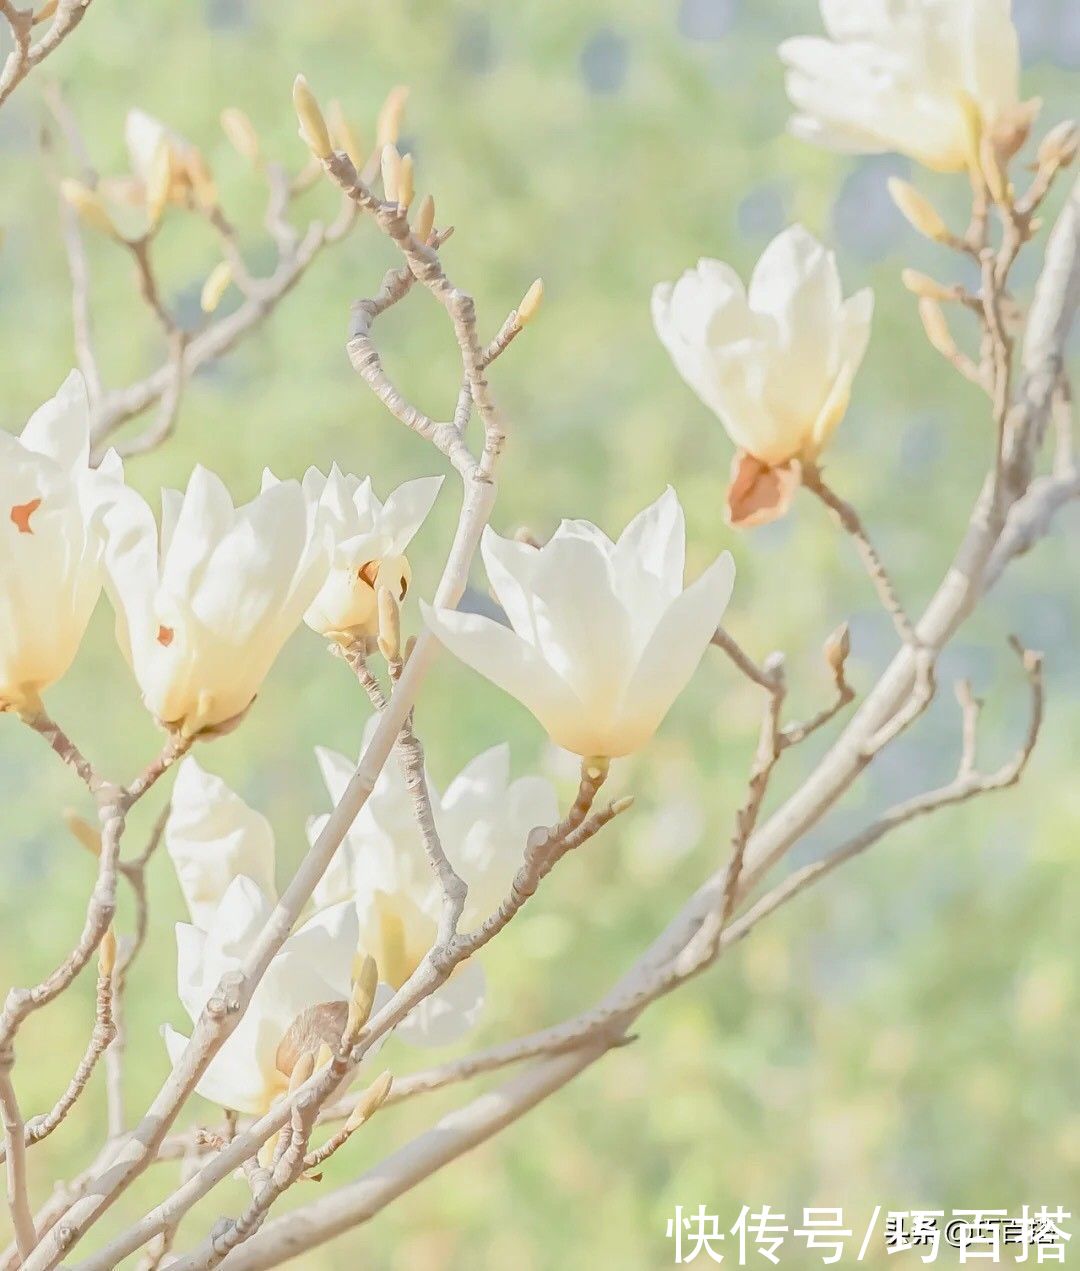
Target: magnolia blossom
[484,820]
[212,836]
[299,1005]
[51,513]
[204,606]
[370,539]
[923,77]
[602,636]
[776,360]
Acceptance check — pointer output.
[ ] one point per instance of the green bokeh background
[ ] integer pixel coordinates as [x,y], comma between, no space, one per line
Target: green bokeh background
[904,1036]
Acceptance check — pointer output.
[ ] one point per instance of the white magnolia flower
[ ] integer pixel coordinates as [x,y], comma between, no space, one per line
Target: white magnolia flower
[212,836]
[299,1004]
[370,539]
[51,513]
[922,77]
[776,360]
[602,636]
[484,820]
[204,608]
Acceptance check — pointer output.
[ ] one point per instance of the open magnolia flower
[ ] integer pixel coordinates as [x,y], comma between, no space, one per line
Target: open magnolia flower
[370,539]
[603,637]
[212,836]
[51,528]
[484,820]
[775,361]
[298,1006]
[204,608]
[927,78]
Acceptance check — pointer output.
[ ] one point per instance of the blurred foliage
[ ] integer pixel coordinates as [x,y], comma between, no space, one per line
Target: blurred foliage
[906,1035]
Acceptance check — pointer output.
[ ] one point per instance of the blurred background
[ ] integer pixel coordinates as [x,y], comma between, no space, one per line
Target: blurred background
[906,1034]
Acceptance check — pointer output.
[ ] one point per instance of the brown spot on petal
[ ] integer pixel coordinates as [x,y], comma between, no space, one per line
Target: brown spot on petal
[368,573]
[21,514]
[165,636]
[758,493]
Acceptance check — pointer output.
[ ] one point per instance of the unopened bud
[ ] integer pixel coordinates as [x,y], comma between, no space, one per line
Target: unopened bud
[160,182]
[425,219]
[342,135]
[936,328]
[88,205]
[85,833]
[365,985]
[241,133]
[107,955]
[389,624]
[302,1070]
[993,170]
[406,181]
[203,185]
[391,172]
[1060,145]
[619,806]
[530,303]
[313,130]
[837,648]
[370,1101]
[324,1056]
[217,283]
[918,211]
[388,125]
[922,285]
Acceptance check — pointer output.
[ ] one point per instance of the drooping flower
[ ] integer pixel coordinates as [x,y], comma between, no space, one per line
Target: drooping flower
[52,505]
[204,607]
[212,836]
[602,636]
[927,78]
[484,819]
[300,1003]
[370,539]
[775,361]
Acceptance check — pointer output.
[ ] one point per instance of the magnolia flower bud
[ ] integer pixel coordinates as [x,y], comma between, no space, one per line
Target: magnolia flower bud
[837,648]
[313,130]
[342,135]
[203,185]
[922,285]
[107,954]
[160,183]
[370,1102]
[407,181]
[936,328]
[425,219]
[391,172]
[83,832]
[216,284]
[89,206]
[530,303]
[621,805]
[389,624]
[365,986]
[1059,147]
[241,133]
[388,125]
[918,211]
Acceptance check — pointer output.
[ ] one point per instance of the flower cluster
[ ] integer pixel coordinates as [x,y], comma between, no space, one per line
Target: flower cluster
[596,637]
